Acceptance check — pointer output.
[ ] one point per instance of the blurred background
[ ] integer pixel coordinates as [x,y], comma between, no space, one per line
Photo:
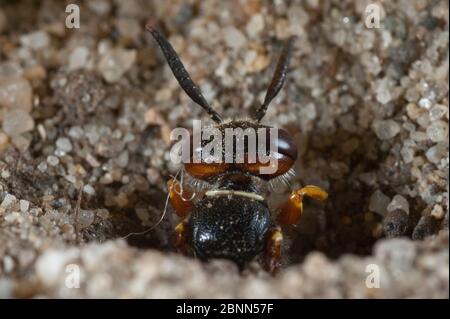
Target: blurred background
[86,110]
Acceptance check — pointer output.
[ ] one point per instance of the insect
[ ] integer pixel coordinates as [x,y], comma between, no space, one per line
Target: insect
[232,220]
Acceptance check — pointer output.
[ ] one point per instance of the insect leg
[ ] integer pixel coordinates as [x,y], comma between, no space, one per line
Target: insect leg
[292,210]
[180,197]
[180,241]
[273,250]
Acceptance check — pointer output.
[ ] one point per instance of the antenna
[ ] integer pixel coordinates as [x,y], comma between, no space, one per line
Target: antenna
[180,73]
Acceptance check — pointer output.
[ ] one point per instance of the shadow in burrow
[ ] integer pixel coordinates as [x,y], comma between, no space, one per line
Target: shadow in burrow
[344,224]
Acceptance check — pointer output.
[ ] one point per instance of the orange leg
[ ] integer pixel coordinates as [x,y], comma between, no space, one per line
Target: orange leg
[273,250]
[292,210]
[180,198]
[180,242]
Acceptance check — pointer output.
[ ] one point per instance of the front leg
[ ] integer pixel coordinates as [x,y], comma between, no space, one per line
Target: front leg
[292,210]
[181,200]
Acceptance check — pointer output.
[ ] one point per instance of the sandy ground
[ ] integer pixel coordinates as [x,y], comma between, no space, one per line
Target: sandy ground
[84,145]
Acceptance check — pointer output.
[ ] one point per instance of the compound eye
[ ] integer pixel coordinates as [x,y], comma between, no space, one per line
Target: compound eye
[197,167]
[282,157]
[274,156]
[204,171]
[286,145]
